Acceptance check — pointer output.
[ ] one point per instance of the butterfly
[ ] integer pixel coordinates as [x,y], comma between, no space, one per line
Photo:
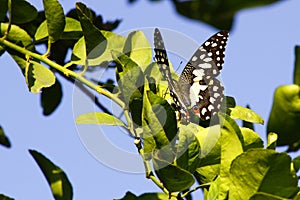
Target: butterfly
[198,90]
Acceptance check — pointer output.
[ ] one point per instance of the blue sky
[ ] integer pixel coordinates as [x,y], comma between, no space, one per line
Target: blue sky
[259,57]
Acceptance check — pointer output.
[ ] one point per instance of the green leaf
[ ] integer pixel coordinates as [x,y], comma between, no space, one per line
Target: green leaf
[95,41]
[147,196]
[159,126]
[218,13]
[251,139]
[245,114]
[38,77]
[213,191]
[231,146]
[285,115]
[4,197]
[138,48]
[262,170]
[246,124]
[17,35]
[51,98]
[4,139]
[56,177]
[297,66]
[23,12]
[3,9]
[173,178]
[55,17]
[188,148]
[296,162]
[272,141]
[72,30]
[210,142]
[99,118]
[113,42]
[207,173]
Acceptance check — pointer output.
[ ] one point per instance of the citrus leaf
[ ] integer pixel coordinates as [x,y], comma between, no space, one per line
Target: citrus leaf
[4,139]
[55,17]
[4,197]
[239,112]
[173,178]
[188,149]
[297,66]
[296,162]
[99,118]
[210,142]
[72,30]
[262,170]
[38,77]
[23,12]
[56,177]
[95,41]
[51,98]
[231,146]
[147,196]
[272,141]
[113,42]
[251,139]
[138,48]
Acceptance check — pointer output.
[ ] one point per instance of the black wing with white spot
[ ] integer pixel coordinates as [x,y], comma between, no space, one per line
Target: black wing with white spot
[198,79]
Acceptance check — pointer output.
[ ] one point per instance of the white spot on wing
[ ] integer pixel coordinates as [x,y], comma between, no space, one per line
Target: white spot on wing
[199,73]
[205,65]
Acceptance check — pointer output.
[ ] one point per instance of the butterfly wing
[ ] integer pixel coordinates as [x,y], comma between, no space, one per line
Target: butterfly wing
[198,79]
[163,62]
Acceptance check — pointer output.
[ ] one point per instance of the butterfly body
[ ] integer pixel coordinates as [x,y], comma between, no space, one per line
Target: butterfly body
[197,89]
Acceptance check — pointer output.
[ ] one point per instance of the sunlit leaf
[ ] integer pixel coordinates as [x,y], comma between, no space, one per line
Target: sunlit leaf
[239,112]
[56,177]
[231,146]
[38,77]
[272,140]
[262,170]
[99,118]
[72,30]
[251,139]
[138,48]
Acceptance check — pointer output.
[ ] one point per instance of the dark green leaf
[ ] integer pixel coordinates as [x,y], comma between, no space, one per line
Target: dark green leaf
[51,98]
[3,10]
[262,170]
[173,178]
[4,139]
[231,146]
[245,114]
[4,197]
[285,115]
[56,177]
[147,196]
[138,48]
[296,162]
[38,77]
[188,148]
[55,19]
[23,12]
[218,13]
[99,118]
[95,41]
[297,66]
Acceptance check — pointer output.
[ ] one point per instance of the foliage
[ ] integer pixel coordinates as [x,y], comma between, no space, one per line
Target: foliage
[226,160]
[219,13]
